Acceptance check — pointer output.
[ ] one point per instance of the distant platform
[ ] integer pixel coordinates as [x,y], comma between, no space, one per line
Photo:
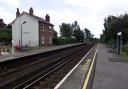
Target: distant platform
[23,54]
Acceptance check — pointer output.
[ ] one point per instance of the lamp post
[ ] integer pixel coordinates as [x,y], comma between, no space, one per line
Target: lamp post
[22,34]
[119,42]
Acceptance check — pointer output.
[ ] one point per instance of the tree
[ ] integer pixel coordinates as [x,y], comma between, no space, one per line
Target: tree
[113,25]
[9,26]
[124,27]
[6,35]
[76,32]
[65,30]
[87,33]
[79,35]
[55,34]
[75,26]
[72,31]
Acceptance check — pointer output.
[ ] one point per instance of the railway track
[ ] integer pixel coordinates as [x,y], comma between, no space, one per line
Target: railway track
[11,65]
[27,76]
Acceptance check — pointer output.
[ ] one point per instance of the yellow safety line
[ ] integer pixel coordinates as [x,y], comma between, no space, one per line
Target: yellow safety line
[89,72]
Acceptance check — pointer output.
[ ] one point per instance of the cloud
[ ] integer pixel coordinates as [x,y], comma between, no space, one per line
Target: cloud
[101,6]
[69,16]
[100,9]
[88,13]
[93,4]
[6,15]
[31,3]
[14,3]
[58,16]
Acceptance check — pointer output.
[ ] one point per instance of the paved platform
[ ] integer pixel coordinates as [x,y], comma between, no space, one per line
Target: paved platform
[22,54]
[110,74]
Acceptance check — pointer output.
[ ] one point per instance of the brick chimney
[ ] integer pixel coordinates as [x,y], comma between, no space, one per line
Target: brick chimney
[2,24]
[17,12]
[31,11]
[1,20]
[47,18]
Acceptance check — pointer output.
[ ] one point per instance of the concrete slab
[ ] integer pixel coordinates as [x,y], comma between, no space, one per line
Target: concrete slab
[109,75]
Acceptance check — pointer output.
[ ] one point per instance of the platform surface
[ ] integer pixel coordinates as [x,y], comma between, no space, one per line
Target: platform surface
[110,74]
[22,54]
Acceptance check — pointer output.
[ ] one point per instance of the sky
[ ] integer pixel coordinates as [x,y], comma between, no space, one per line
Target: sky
[89,13]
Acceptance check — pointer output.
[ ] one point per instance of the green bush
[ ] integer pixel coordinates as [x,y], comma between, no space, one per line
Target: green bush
[68,40]
[111,42]
[57,41]
[125,48]
[64,40]
[6,35]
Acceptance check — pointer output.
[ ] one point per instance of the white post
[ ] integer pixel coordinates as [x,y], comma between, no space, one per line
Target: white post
[119,42]
[13,44]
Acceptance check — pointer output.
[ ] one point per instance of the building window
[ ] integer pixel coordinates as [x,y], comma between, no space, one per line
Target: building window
[50,40]
[42,39]
[50,28]
[42,27]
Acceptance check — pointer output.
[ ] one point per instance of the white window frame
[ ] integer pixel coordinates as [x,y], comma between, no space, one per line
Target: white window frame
[50,28]
[42,27]
[50,40]
[42,40]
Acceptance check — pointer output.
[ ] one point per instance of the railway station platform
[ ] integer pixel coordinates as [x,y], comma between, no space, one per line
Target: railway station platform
[23,54]
[109,71]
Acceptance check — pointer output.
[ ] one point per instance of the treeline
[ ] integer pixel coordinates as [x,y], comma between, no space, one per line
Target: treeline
[113,25]
[5,35]
[72,33]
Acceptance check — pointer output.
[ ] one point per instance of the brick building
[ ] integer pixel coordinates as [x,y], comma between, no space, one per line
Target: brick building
[32,30]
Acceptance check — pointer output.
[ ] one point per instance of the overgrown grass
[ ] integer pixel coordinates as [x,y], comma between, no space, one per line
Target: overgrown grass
[6,48]
[125,48]
[123,54]
[125,51]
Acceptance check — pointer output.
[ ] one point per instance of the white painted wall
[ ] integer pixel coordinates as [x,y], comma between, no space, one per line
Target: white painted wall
[16,31]
[30,30]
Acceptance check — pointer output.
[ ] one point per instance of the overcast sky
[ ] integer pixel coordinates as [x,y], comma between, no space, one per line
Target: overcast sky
[89,13]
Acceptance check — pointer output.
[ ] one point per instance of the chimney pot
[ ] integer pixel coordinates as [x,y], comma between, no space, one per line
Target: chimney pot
[31,11]
[47,18]
[1,20]
[18,12]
